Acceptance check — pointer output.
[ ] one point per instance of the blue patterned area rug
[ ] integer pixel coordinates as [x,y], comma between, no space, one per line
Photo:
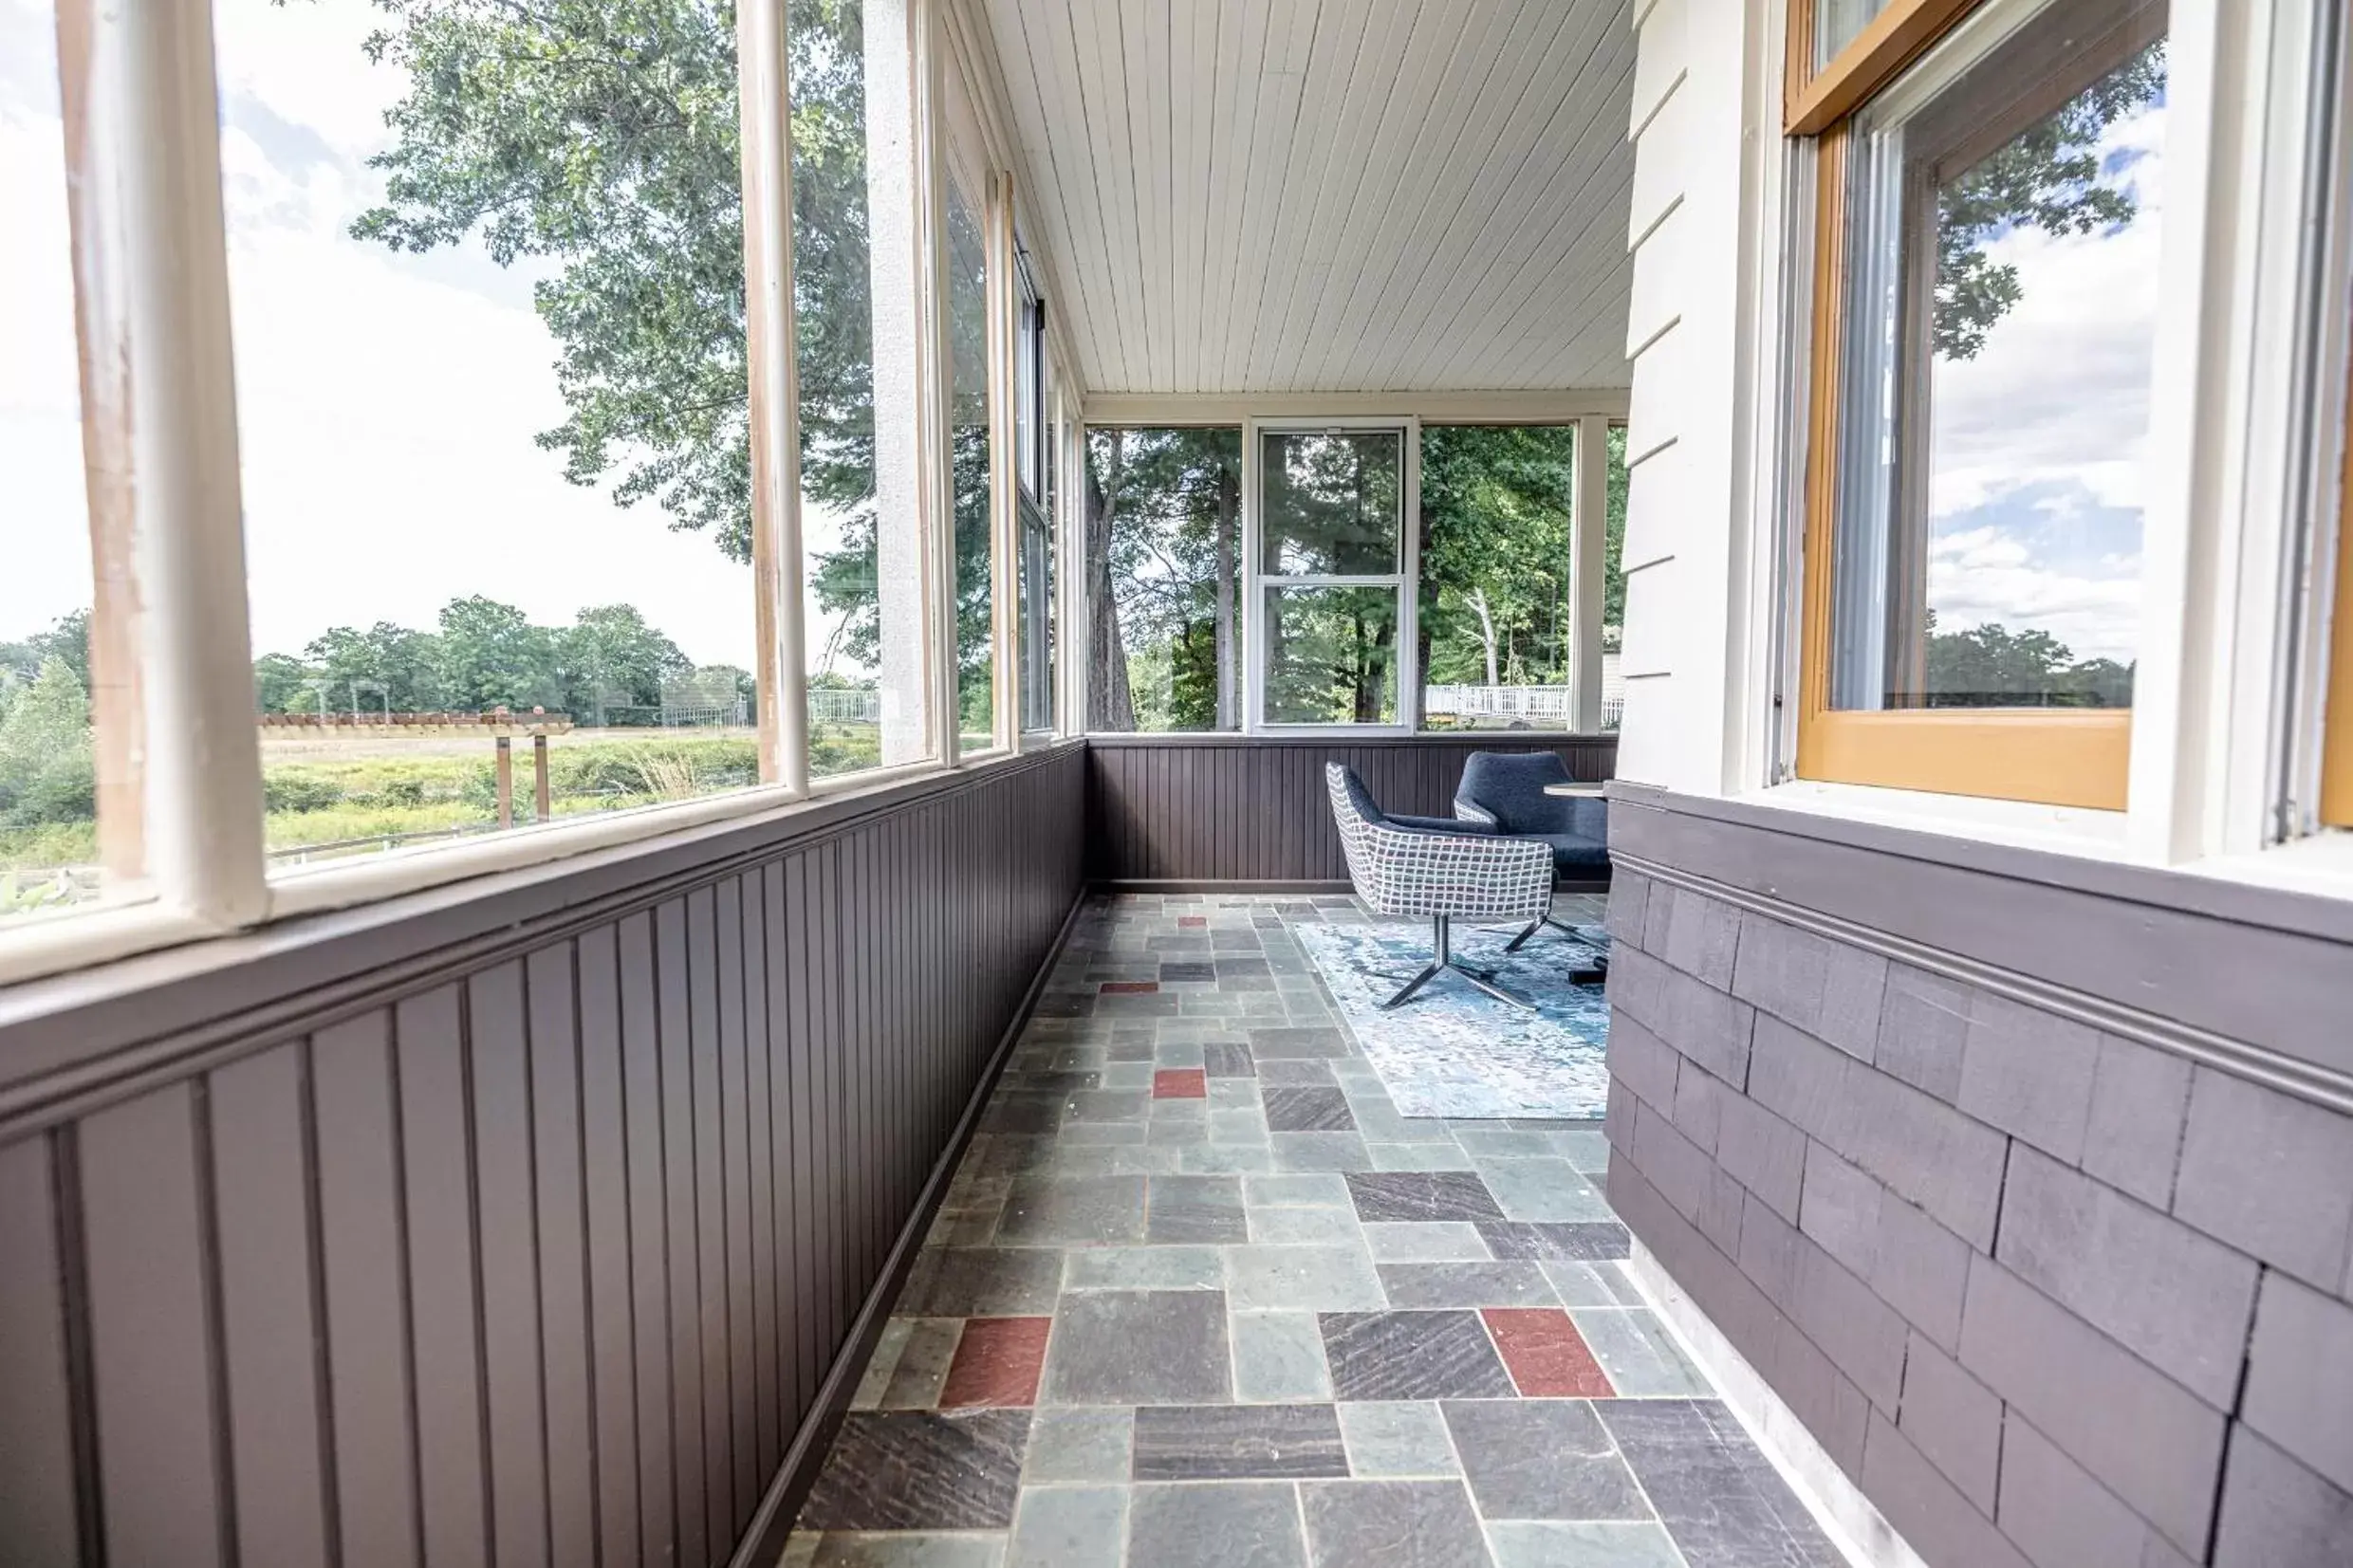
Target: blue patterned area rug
[1454,1050]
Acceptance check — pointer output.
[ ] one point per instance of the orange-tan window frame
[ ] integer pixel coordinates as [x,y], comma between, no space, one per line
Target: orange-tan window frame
[2337,732]
[2057,757]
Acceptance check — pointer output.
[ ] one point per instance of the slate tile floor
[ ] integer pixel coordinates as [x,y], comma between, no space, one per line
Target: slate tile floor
[1200,1298]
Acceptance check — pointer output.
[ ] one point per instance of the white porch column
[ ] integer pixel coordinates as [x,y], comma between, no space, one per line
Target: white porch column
[1588,563]
[897,229]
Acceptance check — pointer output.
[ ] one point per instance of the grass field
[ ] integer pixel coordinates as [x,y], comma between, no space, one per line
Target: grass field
[330,791]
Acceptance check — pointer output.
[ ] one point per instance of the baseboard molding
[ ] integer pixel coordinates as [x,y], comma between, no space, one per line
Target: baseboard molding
[1854,1524]
[762,1542]
[1236,885]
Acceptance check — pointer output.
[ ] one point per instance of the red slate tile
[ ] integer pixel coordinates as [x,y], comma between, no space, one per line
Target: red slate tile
[1547,1357]
[1128,987]
[997,1362]
[1180,1084]
[1192,921]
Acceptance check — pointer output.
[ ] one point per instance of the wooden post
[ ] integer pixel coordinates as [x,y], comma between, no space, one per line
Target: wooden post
[506,783]
[539,777]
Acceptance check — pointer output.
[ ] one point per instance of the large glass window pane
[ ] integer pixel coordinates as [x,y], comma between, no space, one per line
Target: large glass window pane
[487,293]
[2005,198]
[1335,502]
[50,856]
[1163,518]
[1496,624]
[968,434]
[865,638]
[1331,655]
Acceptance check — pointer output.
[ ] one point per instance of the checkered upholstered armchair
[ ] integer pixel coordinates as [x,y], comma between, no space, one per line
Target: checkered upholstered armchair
[1440,868]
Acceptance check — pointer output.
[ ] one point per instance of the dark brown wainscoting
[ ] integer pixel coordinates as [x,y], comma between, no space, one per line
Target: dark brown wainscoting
[543,1251]
[1232,808]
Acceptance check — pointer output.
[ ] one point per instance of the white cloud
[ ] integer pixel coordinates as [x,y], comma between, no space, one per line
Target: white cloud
[2045,431]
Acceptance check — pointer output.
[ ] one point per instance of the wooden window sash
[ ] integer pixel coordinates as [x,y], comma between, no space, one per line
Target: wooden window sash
[1813,101]
[2337,731]
[2068,757]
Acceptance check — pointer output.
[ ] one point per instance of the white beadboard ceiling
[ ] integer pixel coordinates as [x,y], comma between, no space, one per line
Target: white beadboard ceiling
[1327,195]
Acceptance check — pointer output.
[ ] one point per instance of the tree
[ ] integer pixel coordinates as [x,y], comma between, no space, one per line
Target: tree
[68,639]
[282,684]
[386,662]
[1989,666]
[1161,511]
[610,657]
[48,768]
[2051,177]
[489,655]
[1497,547]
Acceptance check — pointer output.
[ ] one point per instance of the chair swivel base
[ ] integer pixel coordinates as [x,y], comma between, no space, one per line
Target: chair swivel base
[1442,958]
[1592,975]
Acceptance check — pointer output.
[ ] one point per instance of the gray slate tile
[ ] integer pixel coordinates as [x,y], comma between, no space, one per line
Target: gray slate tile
[1144,1347]
[982,1282]
[1467,1285]
[1237,1443]
[920,1470]
[1392,1525]
[1068,1527]
[1570,1240]
[1292,1107]
[1231,1524]
[1097,1210]
[1541,1459]
[1719,1497]
[1413,1356]
[1396,1438]
[1199,1209]
[1422,1195]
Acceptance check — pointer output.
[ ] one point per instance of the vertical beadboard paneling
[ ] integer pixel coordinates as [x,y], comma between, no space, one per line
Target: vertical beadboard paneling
[36,1417]
[163,1466]
[605,1212]
[540,1257]
[270,1340]
[558,1205]
[445,1302]
[364,1257]
[1255,809]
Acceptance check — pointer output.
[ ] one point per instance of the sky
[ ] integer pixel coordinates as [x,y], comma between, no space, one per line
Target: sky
[386,404]
[2038,443]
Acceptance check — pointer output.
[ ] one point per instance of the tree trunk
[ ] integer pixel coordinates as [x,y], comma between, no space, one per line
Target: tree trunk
[1487,631]
[1228,659]
[1110,706]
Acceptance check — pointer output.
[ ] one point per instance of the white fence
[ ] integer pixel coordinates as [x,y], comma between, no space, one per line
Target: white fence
[844,705]
[1539,707]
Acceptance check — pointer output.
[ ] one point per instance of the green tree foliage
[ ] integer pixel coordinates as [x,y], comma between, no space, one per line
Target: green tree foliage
[68,639]
[610,657]
[1163,522]
[1497,512]
[47,771]
[599,137]
[1614,543]
[2051,177]
[385,666]
[1990,666]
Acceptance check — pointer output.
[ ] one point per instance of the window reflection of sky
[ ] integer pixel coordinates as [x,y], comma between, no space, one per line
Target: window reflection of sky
[2038,444]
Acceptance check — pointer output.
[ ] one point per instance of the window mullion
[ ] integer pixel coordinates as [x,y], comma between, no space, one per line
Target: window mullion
[1588,558]
[152,278]
[777,571]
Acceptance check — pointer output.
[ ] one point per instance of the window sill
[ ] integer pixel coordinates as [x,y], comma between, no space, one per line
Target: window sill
[105,936]
[2321,864]
[2021,824]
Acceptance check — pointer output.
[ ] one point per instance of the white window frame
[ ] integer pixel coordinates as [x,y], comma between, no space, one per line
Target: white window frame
[153,273]
[1402,582]
[2235,610]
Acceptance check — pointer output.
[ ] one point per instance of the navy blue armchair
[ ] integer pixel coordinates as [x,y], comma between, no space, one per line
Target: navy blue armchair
[1504,792]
